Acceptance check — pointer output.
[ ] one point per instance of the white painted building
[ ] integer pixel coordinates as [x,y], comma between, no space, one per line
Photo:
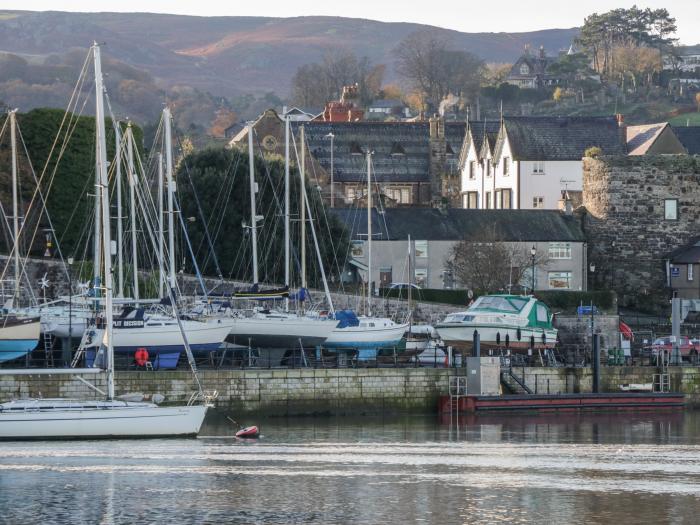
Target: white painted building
[531,161]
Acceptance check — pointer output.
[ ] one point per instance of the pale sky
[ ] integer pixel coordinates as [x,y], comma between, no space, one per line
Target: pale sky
[462,15]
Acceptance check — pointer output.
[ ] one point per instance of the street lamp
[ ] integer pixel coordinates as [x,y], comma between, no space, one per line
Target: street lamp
[533,252]
[591,268]
[331,136]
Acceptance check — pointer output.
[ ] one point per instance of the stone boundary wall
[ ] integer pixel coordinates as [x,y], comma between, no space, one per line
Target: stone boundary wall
[337,391]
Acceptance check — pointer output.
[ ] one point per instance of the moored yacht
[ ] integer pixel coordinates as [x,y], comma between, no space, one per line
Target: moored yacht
[502,321]
[366,334]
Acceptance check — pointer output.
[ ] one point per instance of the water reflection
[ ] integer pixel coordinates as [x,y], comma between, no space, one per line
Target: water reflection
[559,468]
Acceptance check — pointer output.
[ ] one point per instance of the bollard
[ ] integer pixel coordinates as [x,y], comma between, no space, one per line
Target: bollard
[476,347]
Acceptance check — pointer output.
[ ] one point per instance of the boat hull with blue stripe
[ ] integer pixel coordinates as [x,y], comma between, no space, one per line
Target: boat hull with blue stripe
[18,337]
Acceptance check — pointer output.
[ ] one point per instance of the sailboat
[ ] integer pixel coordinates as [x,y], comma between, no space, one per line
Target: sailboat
[159,335]
[19,335]
[367,334]
[112,417]
[274,328]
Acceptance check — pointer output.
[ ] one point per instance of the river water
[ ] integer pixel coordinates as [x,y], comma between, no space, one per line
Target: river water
[489,469]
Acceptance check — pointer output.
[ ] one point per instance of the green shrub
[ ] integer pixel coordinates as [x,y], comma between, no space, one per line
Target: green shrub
[429,295]
[570,300]
[593,152]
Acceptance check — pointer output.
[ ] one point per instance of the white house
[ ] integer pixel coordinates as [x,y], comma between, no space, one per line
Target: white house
[534,160]
[476,180]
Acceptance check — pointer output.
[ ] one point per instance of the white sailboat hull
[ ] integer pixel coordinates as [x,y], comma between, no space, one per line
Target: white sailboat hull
[101,420]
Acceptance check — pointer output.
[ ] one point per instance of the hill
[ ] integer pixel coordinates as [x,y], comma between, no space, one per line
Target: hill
[229,56]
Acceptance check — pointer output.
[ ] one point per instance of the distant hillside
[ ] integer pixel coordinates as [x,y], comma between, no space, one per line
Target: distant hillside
[227,56]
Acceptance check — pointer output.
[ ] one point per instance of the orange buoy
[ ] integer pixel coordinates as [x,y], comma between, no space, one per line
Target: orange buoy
[141,356]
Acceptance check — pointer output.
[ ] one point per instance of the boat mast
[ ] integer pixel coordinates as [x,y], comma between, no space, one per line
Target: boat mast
[171,189]
[302,211]
[161,276]
[369,233]
[286,210]
[15,205]
[132,204]
[253,191]
[410,284]
[120,218]
[103,198]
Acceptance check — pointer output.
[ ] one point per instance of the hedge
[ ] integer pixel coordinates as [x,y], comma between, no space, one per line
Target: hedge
[430,295]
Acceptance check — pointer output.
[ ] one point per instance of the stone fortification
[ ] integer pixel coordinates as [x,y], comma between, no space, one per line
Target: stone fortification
[625,222]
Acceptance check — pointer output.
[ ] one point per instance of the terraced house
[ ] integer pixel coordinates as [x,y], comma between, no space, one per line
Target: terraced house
[532,162]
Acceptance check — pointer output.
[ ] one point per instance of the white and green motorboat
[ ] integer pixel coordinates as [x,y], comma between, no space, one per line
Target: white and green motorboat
[502,321]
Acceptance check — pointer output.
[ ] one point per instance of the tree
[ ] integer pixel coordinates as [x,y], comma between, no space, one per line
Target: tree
[487,264]
[557,95]
[434,70]
[315,84]
[219,178]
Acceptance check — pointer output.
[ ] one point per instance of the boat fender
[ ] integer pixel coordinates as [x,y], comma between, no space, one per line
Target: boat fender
[518,334]
[141,356]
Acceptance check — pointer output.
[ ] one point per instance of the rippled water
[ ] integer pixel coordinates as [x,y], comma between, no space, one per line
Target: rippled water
[510,469]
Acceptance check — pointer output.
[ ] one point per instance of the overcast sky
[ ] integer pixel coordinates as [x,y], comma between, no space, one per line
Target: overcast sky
[462,15]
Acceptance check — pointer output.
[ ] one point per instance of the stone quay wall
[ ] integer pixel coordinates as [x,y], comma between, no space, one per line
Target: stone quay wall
[627,232]
[284,392]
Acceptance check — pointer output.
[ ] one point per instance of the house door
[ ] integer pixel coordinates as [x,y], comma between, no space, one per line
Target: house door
[384,277]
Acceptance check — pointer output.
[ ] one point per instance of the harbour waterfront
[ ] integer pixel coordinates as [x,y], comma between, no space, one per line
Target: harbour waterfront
[536,469]
[309,391]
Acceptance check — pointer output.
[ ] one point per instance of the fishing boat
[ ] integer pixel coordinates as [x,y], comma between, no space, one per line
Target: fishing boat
[111,417]
[515,322]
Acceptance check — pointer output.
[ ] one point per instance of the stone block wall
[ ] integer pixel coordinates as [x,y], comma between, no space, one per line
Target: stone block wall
[337,391]
[627,233]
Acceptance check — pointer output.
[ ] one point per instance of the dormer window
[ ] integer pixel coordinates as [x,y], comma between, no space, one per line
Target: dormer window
[449,150]
[355,149]
[524,69]
[397,149]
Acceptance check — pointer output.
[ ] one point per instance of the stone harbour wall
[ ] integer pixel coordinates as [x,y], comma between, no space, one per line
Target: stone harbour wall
[285,392]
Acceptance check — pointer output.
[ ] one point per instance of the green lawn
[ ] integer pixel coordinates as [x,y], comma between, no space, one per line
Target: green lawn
[687,118]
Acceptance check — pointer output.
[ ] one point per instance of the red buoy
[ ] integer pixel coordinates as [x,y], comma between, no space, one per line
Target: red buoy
[141,356]
[248,432]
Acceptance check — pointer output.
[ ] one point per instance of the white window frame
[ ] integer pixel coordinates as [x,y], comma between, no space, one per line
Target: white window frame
[563,276]
[506,166]
[357,248]
[559,250]
[420,277]
[538,167]
[671,212]
[420,248]
[472,170]
[537,202]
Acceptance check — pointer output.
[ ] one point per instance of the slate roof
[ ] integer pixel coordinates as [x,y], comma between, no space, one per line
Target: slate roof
[689,137]
[484,129]
[456,224]
[387,103]
[401,149]
[641,138]
[561,138]
[690,253]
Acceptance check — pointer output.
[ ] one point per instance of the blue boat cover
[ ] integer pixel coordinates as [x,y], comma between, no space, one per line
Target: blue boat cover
[346,318]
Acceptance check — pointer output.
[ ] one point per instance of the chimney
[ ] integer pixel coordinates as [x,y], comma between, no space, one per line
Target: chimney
[565,205]
[622,127]
[620,119]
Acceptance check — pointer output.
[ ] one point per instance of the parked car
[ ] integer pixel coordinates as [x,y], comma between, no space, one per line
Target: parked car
[403,286]
[688,348]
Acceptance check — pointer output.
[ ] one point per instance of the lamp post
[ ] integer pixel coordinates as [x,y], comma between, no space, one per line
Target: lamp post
[331,136]
[533,252]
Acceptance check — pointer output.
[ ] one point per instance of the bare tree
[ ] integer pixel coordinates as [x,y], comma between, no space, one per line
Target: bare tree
[315,84]
[487,264]
[425,60]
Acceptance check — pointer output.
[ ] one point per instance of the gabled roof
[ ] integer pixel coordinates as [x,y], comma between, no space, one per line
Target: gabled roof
[457,224]
[687,254]
[641,138]
[477,132]
[401,149]
[689,137]
[560,138]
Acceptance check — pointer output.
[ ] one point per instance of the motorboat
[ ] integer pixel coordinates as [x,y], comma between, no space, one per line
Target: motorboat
[513,322]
